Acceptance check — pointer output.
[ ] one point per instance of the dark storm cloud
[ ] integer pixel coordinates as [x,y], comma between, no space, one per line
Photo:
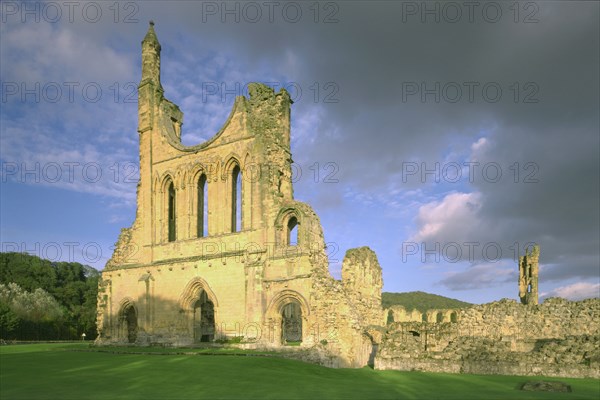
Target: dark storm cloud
[370,53]
[479,277]
[582,265]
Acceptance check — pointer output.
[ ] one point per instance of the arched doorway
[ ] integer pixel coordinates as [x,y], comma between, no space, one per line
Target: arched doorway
[291,323]
[390,317]
[439,317]
[129,323]
[453,317]
[204,319]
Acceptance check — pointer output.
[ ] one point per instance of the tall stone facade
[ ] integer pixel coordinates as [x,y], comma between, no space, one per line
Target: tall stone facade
[528,275]
[219,248]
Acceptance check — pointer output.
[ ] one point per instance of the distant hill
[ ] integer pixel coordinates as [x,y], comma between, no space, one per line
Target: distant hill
[420,301]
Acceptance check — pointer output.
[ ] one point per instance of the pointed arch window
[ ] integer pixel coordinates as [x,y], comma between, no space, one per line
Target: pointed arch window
[202,211]
[292,232]
[171,213]
[236,199]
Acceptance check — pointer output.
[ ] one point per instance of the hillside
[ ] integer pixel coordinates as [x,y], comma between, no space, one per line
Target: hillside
[420,300]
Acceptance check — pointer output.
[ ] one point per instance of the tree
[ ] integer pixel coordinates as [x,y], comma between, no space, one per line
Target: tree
[9,321]
[73,287]
[32,315]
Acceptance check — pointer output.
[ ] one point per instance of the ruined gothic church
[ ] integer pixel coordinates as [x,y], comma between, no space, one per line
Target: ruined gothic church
[219,248]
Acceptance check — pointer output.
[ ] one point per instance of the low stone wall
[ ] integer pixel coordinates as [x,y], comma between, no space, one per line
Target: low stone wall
[557,338]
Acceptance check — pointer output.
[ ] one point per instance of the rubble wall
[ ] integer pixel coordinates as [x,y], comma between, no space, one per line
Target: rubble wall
[557,338]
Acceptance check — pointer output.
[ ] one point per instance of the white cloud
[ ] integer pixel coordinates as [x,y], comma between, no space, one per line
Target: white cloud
[46,53]
[480,144]
[34,157]
[450,219]
[575,291]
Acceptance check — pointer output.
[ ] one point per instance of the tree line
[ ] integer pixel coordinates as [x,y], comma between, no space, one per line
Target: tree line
[45,300]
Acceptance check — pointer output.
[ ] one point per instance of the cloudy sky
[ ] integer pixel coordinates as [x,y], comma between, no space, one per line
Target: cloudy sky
[447,136]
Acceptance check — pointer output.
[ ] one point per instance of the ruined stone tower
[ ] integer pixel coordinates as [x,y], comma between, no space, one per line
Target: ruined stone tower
[528,275]
[220,249]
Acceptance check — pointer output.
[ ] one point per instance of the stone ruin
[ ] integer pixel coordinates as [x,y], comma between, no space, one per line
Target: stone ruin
[557,338]
[220,251]
[528,276]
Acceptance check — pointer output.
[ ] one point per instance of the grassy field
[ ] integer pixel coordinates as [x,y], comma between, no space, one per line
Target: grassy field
[64,371]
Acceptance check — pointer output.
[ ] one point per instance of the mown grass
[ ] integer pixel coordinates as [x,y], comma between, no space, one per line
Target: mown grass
[208,350]
[59,371]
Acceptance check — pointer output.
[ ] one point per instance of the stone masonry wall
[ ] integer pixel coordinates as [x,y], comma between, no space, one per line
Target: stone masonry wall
[344,310]
[556,338]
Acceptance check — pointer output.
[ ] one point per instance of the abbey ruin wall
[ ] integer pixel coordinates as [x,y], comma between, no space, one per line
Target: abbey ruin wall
[556,338]
[220,251]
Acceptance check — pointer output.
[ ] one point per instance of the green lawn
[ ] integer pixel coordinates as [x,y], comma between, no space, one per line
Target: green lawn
[56,371]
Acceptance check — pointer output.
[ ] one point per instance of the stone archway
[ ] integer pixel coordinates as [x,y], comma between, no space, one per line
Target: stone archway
[439,317]
[390,317]
[128,322]
[204,319]
[200,306]
[131,321]
[287,319]
[453,317]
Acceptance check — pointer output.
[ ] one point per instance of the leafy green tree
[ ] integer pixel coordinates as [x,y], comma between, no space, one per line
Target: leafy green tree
[73,286]
[30,272]
[38,313]
[9,321]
